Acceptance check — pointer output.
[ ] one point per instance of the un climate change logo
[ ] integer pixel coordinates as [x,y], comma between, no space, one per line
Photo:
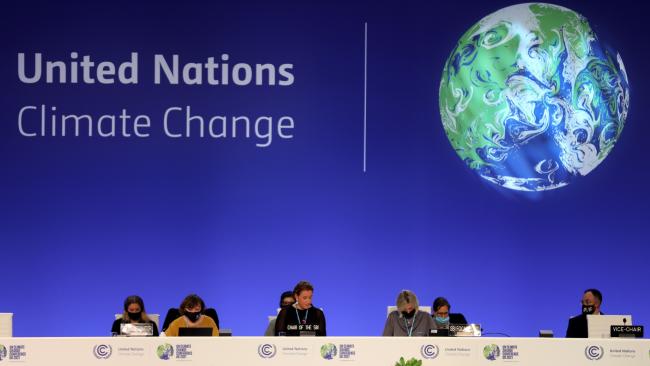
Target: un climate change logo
[3,352]
[102,351]
[266,350]
[429,351]
[165,351]
[491,352]
[328,351]
[594,353]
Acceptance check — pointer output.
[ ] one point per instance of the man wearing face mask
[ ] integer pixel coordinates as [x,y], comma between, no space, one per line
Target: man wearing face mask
[591,301]
[443,317]
[191,310]
[408,320]
[134,313]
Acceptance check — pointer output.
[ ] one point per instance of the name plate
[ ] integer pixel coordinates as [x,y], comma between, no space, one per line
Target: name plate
[464,330]
[303,327]
[626,331]
[458,330]
[136,329]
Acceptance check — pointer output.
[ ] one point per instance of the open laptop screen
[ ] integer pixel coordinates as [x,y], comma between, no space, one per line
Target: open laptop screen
[598,326]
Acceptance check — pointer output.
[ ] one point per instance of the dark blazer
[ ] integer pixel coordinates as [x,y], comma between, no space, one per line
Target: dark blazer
[577,327]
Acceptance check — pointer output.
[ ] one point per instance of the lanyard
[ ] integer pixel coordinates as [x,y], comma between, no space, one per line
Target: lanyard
[406,324]
[304,321]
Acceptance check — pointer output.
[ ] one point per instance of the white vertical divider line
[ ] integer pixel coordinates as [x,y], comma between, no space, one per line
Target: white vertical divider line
[365,93]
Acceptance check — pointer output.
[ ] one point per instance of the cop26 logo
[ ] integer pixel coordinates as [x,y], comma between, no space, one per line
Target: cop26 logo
[594,353]
[266,350]
[328,351]
[491,352]
[165,351]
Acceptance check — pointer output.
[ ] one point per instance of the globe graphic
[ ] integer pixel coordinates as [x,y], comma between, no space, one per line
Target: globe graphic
[165,351]
[531,99]
[491,352]
[328,351]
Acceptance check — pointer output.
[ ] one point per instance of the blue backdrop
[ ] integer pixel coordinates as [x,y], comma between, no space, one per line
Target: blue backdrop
[86,221]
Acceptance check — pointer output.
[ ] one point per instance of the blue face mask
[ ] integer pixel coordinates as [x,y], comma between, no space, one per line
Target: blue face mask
[442,320]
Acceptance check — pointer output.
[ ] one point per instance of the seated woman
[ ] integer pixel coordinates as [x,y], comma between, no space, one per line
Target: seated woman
[443,317]
[286,299]
[408,320]
[192,316]
[301,318]
[134,313]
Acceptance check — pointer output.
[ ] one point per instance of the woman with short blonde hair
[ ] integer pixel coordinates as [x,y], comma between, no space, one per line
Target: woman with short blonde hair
[408,320]
[407,297]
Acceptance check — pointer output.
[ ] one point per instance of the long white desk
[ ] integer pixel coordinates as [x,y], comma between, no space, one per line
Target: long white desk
[370,351]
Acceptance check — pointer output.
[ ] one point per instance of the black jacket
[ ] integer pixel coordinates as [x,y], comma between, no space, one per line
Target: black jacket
[577,327]
[292,321]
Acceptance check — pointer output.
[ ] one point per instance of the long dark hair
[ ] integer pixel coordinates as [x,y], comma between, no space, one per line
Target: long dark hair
[286,294]
[134,299]
[440,302]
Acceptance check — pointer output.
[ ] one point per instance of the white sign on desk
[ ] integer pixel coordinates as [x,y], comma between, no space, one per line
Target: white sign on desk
[599,326]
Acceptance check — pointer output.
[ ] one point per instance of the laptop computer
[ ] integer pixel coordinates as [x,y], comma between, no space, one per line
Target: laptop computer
[599,326]
[195,332]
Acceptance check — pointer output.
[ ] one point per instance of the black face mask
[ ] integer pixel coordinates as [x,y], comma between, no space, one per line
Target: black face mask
[193,317]
[135,316]
[408,315]
[588,309]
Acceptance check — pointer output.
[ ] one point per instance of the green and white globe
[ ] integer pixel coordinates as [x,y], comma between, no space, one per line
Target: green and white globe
[530,98]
